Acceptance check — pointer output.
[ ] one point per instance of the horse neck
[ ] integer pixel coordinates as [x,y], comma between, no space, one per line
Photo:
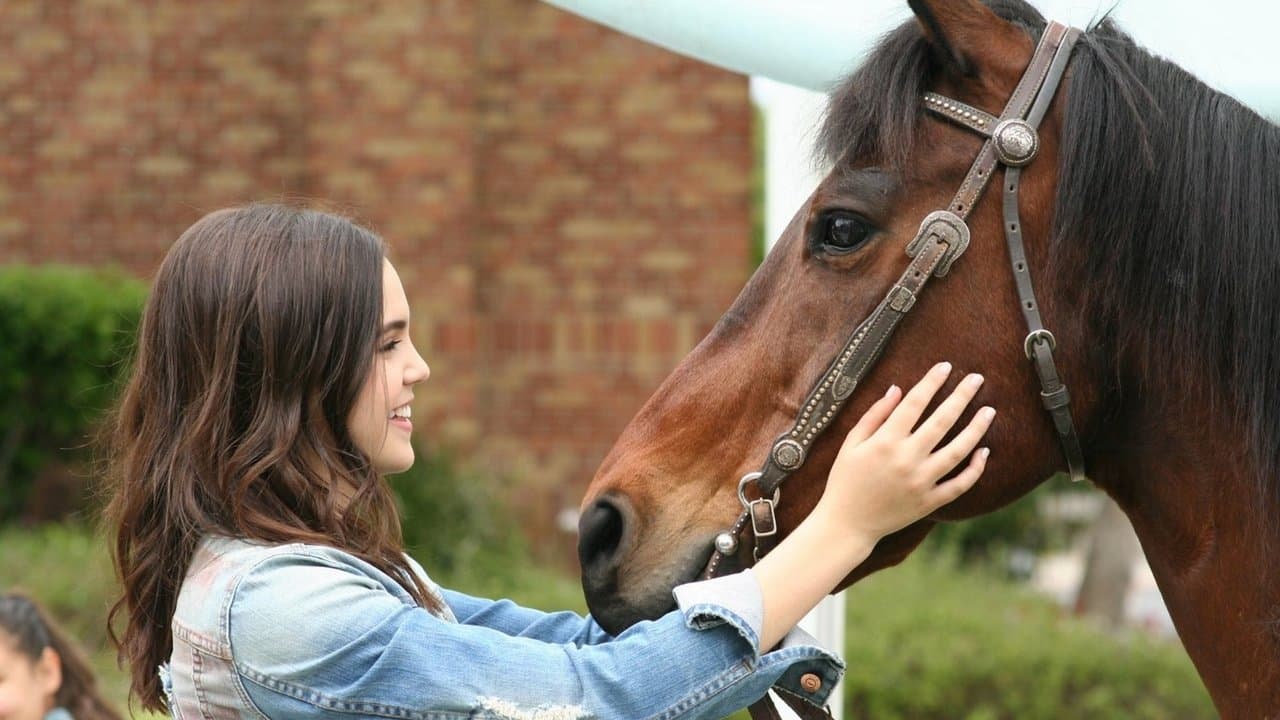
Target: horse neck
[1186,481]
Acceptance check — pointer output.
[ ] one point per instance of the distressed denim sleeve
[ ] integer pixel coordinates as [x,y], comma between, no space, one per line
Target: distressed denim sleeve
[507,617]
[735,600]
[311,637]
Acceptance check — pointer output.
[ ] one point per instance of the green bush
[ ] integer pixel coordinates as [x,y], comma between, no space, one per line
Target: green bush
[989,538]
[453,519]
[928,640]
[65,334]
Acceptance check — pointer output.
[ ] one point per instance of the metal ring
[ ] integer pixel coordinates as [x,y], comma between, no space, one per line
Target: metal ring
[742,488]
[1040,334]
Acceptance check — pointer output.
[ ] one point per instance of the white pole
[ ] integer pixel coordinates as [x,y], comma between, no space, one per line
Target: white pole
[791,116]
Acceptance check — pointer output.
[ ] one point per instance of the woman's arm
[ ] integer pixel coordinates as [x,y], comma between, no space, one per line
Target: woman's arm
[314,636]
[512,619]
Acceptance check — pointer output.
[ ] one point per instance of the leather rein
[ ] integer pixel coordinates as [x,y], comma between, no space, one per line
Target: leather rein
[1010,141]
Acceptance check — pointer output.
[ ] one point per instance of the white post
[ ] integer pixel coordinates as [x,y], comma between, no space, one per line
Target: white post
[791,116]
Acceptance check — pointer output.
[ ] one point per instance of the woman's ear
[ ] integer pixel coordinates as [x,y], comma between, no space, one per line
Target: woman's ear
[48,672]
[968,39]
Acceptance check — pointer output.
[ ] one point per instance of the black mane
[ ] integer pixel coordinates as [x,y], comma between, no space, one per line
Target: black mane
[1168,210]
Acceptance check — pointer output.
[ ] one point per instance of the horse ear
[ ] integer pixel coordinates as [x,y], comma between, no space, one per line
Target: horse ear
[958,30]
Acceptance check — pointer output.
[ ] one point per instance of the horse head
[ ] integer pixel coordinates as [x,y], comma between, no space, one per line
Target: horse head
[669,485]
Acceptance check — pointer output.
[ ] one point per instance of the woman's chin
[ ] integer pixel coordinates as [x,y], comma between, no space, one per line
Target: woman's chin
[395,465]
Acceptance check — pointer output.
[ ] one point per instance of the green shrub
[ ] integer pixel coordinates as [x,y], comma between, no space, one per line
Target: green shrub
[65,333]
[453,519]
[927,640]
[987,539]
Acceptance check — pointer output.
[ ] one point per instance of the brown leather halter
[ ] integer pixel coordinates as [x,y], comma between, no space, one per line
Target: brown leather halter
[1011,141]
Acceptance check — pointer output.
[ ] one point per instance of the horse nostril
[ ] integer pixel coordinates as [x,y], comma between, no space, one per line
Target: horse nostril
[600,532]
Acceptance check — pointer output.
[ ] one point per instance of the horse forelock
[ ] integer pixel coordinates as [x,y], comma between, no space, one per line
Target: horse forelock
[1167,210]
[874,112]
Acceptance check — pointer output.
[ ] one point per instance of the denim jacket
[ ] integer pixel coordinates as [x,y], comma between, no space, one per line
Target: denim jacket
[276,631]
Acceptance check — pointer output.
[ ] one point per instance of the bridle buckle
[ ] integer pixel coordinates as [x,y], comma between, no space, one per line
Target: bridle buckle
[951,231]
[1035,336]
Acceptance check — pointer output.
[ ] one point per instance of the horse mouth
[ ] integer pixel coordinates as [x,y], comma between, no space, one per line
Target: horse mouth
[617,606]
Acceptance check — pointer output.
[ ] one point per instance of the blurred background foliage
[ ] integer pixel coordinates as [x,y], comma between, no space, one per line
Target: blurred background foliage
[64,335]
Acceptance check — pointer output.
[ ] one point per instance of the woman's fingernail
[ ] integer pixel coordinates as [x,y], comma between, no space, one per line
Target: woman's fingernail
[943,367]
[987,413]
[984,452]
[975,380]
[890,390]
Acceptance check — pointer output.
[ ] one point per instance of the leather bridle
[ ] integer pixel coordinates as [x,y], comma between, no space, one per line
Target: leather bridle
[1010,141]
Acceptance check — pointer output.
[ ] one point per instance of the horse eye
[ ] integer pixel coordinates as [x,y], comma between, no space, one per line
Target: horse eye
[843,232]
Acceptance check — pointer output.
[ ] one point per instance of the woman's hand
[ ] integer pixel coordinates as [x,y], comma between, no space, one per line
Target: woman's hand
[886,476]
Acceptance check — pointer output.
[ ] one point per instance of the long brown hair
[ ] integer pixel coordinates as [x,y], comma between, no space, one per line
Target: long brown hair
[32,630]
[255,341]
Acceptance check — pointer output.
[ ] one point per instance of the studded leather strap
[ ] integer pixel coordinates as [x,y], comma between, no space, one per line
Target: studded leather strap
[971,117]
[934,245]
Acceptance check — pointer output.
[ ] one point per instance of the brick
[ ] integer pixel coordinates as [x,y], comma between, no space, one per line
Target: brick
[567,206]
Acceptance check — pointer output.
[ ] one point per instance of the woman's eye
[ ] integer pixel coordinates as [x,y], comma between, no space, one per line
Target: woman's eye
[390,346]
[843,232]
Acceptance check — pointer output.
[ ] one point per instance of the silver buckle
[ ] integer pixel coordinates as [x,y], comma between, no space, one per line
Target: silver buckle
[1035,336]
[950,229]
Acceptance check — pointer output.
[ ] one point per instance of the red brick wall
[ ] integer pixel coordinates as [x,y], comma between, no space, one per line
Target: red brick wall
[568,207]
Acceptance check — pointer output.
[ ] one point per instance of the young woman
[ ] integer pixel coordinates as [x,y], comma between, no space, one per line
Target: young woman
[42,674]
[259,546]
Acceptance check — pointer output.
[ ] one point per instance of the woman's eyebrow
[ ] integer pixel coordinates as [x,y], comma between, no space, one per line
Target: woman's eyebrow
[395,325]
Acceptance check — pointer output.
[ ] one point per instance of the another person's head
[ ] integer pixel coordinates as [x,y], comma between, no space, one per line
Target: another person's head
[41,669]
[272,360]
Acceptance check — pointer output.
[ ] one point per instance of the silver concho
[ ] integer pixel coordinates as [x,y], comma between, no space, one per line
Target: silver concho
[1015,142]
[788,454]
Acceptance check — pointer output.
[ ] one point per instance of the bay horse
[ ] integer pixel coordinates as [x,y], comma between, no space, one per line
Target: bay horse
[1151,219]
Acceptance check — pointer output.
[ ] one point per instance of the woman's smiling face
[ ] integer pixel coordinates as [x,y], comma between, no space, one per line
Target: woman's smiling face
[379,422]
